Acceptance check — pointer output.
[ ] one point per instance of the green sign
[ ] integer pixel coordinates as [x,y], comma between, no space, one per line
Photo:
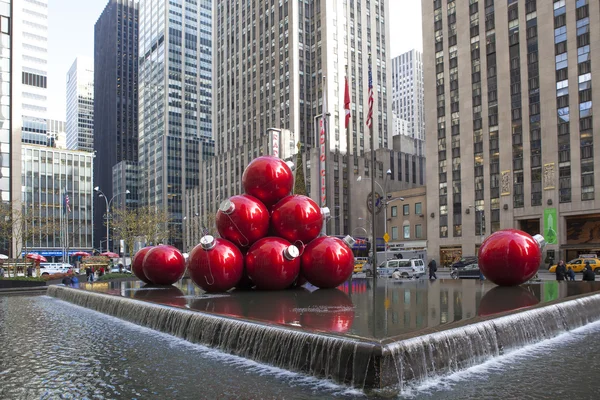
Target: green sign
[550,226]
[550,291]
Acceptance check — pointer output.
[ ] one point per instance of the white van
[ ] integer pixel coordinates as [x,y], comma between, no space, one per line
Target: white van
[408,268]
[47,268]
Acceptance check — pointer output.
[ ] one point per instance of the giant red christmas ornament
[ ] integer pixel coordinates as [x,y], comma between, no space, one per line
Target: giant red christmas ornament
[268,178]
[328,261]
[242,220]
[216,265]
[296,218]
[510,257]
[163,265]
[273,263]
[137,264]
[327,310]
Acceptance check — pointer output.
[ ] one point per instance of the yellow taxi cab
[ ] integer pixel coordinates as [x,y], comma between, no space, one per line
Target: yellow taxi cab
[578,264]
[359,263]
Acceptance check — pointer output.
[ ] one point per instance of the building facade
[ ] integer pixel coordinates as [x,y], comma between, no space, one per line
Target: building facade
[115,99]
[274,67]
[80,105]
[57,135]
[512,138]
[10,117]
[31,16]
[56,225]
[408,95]
[407,219]
[175,100]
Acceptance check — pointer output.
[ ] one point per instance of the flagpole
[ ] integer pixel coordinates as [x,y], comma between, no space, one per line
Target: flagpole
[323,156]
[373,176]
[348,143]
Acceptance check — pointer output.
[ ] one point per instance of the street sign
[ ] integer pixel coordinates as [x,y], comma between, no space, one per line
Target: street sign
[386,237]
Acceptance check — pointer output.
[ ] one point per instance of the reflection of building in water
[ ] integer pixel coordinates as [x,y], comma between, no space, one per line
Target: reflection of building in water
[451,301]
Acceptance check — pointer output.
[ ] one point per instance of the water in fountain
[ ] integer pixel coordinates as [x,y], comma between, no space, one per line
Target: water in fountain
[341,359]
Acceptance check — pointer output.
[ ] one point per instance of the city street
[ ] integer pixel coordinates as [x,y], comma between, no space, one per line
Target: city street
[445,274]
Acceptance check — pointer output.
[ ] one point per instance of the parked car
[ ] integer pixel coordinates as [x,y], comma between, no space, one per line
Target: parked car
[413,268]
[470,271]
[116,270]
[463,262]
[578,264]
[47,268]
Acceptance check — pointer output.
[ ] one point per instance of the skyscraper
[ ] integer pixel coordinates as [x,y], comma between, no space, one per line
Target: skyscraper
[32,18]
[408,95]
[275,64]
[115,100]
[80,105]
[512,136]
[10,143]
[175,128]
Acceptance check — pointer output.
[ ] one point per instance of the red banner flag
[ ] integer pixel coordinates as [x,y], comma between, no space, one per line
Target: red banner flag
[347,103]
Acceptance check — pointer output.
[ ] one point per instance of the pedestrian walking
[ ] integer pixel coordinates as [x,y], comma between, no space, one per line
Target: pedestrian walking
[29,271]
[74,281]
[571,274]
[432,269]
[588,273]
[1,272]
[561,271]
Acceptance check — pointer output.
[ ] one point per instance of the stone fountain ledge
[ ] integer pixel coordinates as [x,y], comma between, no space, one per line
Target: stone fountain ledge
[359,362]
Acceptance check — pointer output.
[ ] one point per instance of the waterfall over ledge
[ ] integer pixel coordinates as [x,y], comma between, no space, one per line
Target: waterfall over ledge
[361,363]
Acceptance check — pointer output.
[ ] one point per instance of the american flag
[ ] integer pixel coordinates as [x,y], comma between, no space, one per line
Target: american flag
[370,113]
[67,203]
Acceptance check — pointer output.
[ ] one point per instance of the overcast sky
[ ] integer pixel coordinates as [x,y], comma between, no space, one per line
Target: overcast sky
[71,33]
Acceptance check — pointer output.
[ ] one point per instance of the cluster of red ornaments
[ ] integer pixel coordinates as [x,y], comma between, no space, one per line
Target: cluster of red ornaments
[269,238]
[159,265]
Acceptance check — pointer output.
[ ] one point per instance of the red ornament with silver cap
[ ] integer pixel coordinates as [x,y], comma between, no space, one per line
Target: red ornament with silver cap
[273,263]
[269,179]
[137,264]
[242,220]
[327,261]
[163,265]
[510,257]
[297,218]
[216,265]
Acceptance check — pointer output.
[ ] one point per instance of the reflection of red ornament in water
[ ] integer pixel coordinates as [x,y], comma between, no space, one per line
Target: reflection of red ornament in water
[216,265]
[224,305]
[327,262]
[328,310]
[272,263]
[297,217]
[510,257]
[242,220]
[137,265]
[170,295]
[268,178]
[277,307]
[164,265]
[501,299]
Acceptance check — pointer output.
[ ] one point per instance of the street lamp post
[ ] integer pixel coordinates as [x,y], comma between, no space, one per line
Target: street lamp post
[108,203]
[386,201]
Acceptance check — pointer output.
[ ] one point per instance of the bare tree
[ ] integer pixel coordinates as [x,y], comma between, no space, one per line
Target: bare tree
[148,222]
[21,226]
[125,225]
